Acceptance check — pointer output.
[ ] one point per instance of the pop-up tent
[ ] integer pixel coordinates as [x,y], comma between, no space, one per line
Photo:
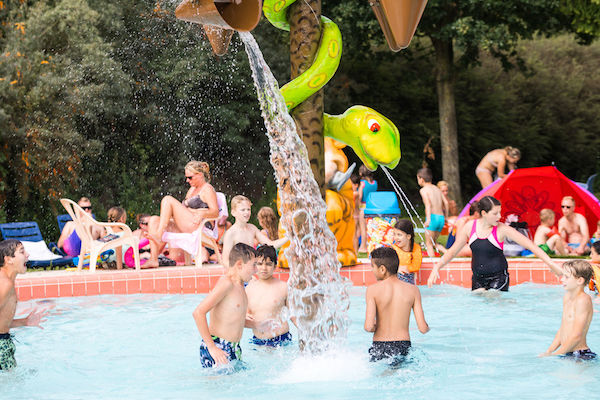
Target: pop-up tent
[526,191]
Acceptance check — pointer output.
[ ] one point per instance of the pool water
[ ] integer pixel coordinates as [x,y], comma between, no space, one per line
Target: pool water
[146,346]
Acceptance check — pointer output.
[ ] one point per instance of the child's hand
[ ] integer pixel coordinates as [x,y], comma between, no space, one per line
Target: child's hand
[218,355]
[544,354]
[36,317]
[426,224]
[432,277]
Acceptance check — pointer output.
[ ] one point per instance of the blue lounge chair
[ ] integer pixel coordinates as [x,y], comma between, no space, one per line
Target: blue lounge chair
[62,220]
[30,232]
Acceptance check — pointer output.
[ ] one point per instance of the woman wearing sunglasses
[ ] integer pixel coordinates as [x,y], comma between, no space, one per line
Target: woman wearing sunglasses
[200,202]
[69,241]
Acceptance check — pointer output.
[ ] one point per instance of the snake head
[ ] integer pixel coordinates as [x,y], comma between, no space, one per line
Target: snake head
[376,140]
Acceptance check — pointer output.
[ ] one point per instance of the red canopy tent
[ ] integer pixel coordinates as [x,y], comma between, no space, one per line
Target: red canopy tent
[526,191]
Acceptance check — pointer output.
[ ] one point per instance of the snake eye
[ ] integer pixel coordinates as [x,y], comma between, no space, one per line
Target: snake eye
[373,125]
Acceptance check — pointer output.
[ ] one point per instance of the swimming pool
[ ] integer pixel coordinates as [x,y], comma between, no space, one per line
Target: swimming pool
[146,346]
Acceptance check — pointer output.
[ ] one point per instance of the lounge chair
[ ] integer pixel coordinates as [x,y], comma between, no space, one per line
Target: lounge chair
[193,242]
[84,224]
[30,235]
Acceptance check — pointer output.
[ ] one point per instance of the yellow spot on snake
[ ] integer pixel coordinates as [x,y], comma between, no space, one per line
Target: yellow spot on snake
[333,48]
[290,105]
[279,6]
[318,80]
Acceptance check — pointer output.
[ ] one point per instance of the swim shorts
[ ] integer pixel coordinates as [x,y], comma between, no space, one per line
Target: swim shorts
[7,352]
[232,349]
[498,281]
[436,223]
[281,340]
[391,349]
[407,277]
[546,249]
[585,354]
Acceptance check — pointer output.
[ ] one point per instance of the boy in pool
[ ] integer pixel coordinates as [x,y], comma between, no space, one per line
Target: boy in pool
[12,262]
[436,209]
[227,304]
[266,298]
[570,340]
[389,302]
[242,231]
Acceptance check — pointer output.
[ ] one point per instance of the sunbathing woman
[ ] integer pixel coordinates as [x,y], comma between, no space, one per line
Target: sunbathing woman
[200,203]
[496,161]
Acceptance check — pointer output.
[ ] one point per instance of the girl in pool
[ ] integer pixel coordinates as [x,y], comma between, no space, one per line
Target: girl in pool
[409,252]
[200,203]
[368,184]
[496,161]
[268,222]
[485,236]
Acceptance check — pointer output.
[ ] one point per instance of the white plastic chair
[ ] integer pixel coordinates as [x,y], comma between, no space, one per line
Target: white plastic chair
[192,243]
[84,224]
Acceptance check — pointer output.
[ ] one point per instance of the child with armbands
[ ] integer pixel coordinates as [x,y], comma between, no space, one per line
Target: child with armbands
[546,235]
[409,252]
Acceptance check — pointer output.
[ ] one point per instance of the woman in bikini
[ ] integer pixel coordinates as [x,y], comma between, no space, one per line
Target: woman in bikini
[485,236]
[496,161]
[200,203]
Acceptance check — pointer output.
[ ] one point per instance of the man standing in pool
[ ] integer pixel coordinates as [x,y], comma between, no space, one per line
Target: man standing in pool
[12,262]
[389,302]
[227,304]
[485,236]
[570,340]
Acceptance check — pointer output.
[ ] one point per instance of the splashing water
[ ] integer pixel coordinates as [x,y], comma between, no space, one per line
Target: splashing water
[318,295]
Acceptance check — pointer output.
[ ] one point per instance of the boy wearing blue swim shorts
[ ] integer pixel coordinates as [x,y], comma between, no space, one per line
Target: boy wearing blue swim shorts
[389,304]
[570,340]
[227,304]
[267,298]
[436,209]
[12,262]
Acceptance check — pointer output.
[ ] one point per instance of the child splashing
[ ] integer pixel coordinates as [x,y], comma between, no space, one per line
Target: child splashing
[409,252]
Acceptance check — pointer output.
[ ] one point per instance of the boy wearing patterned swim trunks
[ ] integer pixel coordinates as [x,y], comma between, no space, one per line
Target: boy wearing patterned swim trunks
[267,296]
[389,303]
[436,209]
[570,340]
[12,262]
[227,304]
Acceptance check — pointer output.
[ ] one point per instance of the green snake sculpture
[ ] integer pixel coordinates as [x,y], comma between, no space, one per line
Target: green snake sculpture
[373,137]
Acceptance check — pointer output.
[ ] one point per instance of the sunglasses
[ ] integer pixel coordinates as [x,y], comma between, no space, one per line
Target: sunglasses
[143,223]
[87,208]
[566,206]
[188,178]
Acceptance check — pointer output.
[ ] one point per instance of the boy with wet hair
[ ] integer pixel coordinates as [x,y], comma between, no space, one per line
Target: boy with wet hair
[436,209]
[12,262]
[389,303]
[267,296]
[570,340]
[242,231]
[227,304]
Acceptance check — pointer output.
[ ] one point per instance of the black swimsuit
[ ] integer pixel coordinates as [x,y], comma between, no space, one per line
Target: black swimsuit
[488,263]
[196,202]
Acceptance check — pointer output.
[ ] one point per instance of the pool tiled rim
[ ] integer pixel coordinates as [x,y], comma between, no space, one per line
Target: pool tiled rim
[189,280]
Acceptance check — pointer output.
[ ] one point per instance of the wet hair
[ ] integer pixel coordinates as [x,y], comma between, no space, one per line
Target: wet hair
[237,200]
[364,172]
[267,219]
[355,179]
[115,214]
[546,215]
[8,248]
[425,174]
[487,203]
[474,207]
[267,252]
[387,257]
[596,246]
[406,226]
[580,269]
[241,251]
[513,152]
[199,167]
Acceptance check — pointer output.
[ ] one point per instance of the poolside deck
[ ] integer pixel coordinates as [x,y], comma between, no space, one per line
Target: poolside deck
[190,280]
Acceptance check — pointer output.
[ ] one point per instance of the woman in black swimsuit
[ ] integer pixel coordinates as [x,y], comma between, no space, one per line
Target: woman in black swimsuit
[200,203]
[485,236]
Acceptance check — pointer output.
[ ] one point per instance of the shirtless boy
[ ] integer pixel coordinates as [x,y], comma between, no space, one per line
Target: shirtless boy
[389,302]
[436,209]
[266,298]
[242,231]
[573,226]
[546,236]
[227,304]
[12,262]
[570,340]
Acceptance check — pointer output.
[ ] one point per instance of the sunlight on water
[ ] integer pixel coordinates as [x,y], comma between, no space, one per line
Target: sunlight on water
[318,295]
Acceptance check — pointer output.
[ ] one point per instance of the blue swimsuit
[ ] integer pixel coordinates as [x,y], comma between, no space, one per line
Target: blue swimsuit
[281,340]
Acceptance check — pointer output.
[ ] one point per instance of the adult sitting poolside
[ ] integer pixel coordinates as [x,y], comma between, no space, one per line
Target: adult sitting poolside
[69,241]
[573,227]
[200,202]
